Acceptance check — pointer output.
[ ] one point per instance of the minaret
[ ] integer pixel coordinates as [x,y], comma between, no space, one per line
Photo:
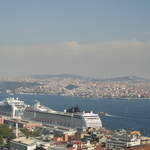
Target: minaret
[17,129]
[13,111]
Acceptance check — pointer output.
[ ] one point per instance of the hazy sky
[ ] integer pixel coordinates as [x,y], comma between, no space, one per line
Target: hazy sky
[96,38]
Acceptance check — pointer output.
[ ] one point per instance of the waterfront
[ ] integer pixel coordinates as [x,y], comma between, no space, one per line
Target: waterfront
[127,114]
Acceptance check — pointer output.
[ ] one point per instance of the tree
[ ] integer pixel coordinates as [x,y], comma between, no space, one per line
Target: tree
[29,133]
[1,141]
[6,132]
[26,132]
[40,148]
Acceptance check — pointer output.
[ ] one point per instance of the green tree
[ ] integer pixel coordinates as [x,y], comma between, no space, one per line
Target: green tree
[1,141]
[6,132]
[35,133]
[26,132]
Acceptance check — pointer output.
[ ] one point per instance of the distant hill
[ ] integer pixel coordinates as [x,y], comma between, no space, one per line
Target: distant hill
[11,85]
[62,76]
[126,78]
[115,79]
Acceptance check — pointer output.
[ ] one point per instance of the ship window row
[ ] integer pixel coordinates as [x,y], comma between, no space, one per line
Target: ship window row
[79,117]
[92,118]
[58,122]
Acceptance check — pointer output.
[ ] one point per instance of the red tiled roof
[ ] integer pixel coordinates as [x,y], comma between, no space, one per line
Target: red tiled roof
[98,147]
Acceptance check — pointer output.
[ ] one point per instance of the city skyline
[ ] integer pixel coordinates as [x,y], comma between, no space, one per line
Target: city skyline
[99,38]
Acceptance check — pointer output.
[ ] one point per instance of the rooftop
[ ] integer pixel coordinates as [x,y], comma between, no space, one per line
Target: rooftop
[24,140]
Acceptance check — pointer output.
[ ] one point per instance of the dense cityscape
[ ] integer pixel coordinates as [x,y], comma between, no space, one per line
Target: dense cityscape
[17,134]
[74,75]
[20,134]
[129,87]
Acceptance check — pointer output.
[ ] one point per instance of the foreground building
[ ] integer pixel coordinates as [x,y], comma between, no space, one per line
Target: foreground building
[23,143]
[123,139]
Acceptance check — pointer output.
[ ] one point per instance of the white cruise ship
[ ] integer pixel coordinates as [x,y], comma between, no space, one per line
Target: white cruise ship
[12,107]
[72,118]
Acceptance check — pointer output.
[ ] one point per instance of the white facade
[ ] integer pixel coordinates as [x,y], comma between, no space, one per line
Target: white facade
[12,107]
[92,120]
[122,140]
[23,143]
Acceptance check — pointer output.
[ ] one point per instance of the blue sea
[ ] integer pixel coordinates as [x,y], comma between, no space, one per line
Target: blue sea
[124,114]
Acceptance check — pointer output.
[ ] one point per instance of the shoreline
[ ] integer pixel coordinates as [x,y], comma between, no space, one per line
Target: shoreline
[96,98]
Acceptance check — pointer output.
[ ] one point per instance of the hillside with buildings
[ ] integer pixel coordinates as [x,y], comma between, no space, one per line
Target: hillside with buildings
[69,85]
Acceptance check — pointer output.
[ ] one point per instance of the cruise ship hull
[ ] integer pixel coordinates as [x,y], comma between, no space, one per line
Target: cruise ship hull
[67,120]
[44,115]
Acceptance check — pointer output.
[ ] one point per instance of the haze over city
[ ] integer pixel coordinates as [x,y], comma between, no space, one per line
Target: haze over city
[98,38]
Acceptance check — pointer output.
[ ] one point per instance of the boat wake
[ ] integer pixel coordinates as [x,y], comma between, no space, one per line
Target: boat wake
[128,118]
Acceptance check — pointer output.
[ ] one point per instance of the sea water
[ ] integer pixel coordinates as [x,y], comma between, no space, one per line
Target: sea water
[123,113]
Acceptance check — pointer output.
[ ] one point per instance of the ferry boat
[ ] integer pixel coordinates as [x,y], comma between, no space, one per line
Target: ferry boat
[71,118]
